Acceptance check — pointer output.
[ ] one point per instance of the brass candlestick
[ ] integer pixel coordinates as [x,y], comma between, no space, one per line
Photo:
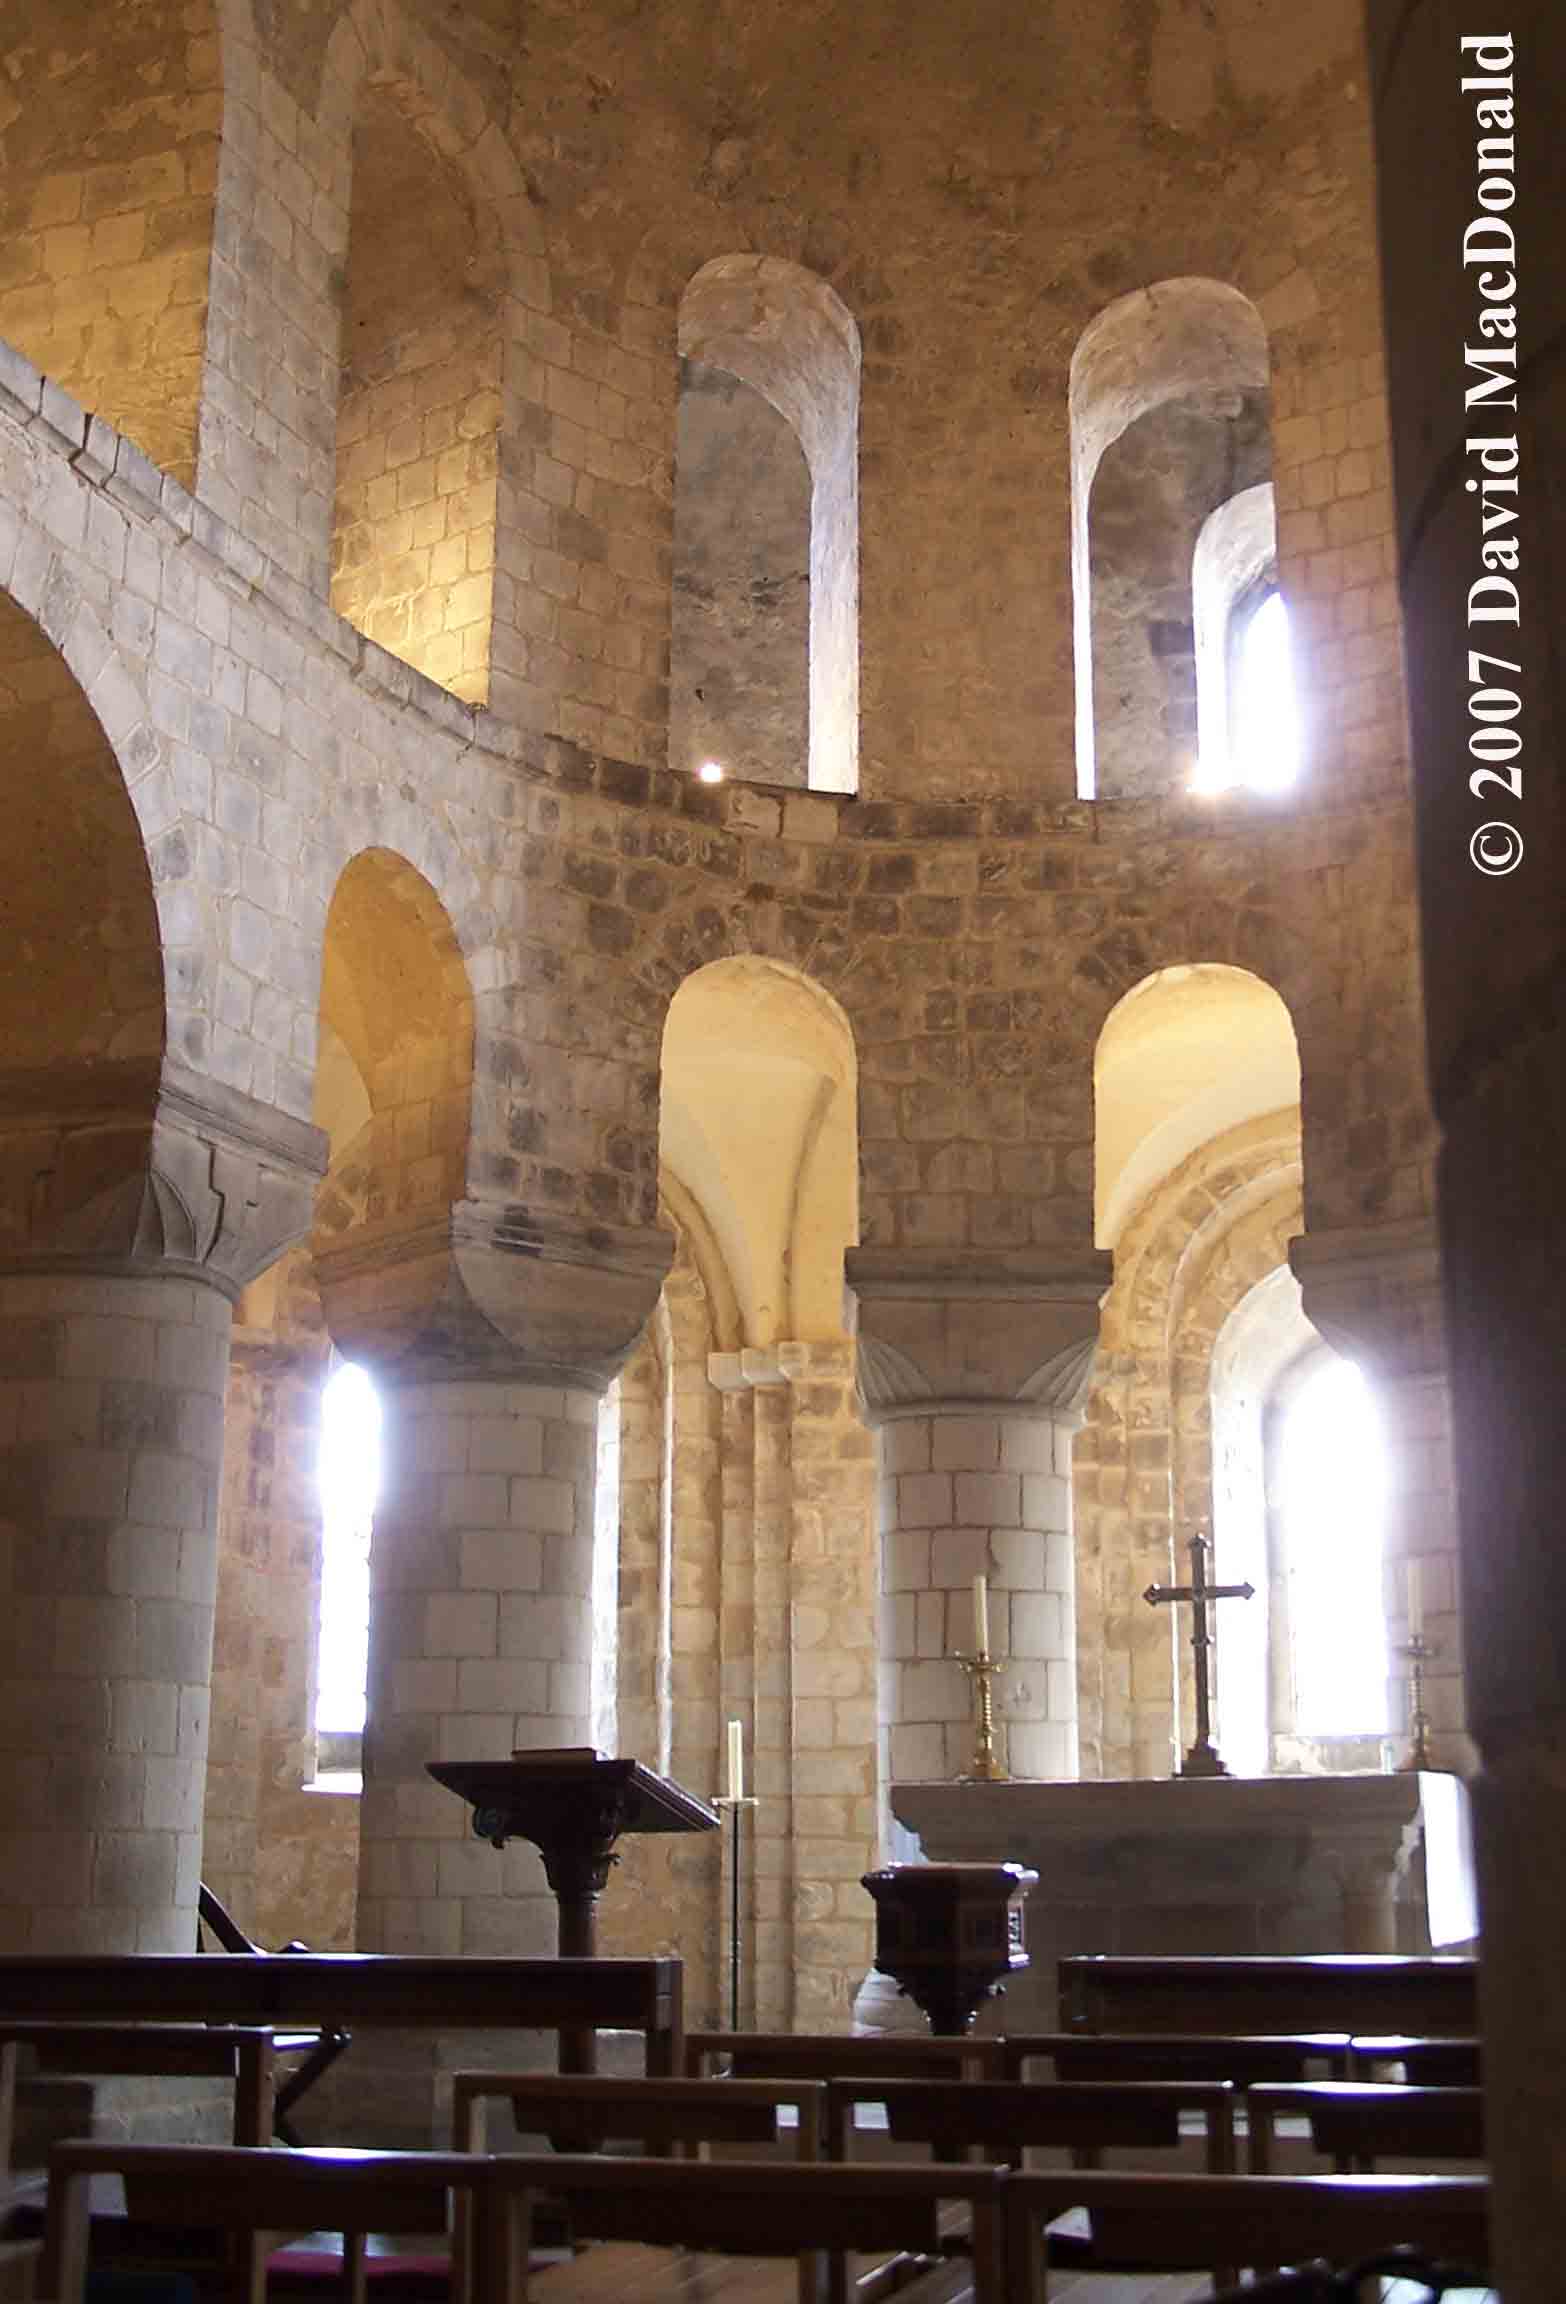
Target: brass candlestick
[1418,1650]
[986,1769]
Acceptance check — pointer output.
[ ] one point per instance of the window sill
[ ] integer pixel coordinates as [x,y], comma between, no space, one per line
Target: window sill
[338,1781]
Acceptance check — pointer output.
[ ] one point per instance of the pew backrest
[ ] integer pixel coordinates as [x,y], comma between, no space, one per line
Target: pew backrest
[842,2056]
[241,2053]
[1357,2123]
[1177,2223]
[1243,2058]
[766,2208]
[255,2195]
[1425,2062]
[1003,2118]
[1378,1992]
[356,1988]
[653,2113]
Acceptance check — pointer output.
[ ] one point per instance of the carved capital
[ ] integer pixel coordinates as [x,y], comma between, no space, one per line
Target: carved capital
[1375,1295]
[493,1289]
[987,1330]
[181,1175]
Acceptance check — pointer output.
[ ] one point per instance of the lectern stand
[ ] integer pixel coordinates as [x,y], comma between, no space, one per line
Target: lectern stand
[573,1807]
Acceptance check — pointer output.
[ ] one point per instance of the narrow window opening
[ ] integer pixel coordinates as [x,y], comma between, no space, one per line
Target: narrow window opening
[349,1479]
[1333,1490]
[1264,725]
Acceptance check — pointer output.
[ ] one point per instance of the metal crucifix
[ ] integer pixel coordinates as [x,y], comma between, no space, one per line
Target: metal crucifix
[1202,1759]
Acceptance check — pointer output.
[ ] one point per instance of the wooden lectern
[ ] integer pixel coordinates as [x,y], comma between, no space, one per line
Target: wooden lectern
[573,1807]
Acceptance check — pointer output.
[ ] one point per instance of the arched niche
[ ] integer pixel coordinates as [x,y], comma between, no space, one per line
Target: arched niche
[108,157]
[1169,419]
[757,1126]
[755,329]
[1186,1055]
[394,1076]
[413,546]
[81,986]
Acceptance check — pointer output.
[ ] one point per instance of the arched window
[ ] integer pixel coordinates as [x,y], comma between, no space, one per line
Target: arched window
[1170,419]
[1329,1487]
[764,672]
[349,1475]
[1247,708]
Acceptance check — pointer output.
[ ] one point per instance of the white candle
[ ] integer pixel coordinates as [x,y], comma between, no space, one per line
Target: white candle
[736,1761]
[1416,1601]
[981,1616]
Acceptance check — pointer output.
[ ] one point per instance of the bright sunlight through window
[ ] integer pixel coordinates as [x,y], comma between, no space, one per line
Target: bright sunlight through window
[1264,729]
[1333,1485]
[350,1473]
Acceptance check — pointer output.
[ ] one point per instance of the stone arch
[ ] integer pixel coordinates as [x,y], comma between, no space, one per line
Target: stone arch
[781,331]
[1183,345]
[774,1170]
[82,997]
[1196,1081]
[394,1092]
[108,154]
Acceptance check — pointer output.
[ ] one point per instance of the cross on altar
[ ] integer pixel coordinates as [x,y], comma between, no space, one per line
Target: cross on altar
[1202,1759]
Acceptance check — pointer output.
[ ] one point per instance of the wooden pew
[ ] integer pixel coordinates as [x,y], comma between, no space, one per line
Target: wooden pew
[253,2195]
[331,1990]
[1426,2063]
[842,2056]
[579,2114]
[748,2208]
[1357,2123]
[1243,2058]
[1379,1992]
[1180,2223]
[241,2053]
[653,2113]
[1003,2118]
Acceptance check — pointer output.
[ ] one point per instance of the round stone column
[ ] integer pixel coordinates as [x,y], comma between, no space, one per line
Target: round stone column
[480,1644]
[111,1446]
[113,1371]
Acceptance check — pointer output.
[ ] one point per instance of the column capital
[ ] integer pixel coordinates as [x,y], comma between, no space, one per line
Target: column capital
[177,1174]
[976,1332]
[1374,1291]
[489,1288]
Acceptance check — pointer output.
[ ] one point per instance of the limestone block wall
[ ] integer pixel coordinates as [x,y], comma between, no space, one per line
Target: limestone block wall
[962,1496]
[107,210]
[111,1439]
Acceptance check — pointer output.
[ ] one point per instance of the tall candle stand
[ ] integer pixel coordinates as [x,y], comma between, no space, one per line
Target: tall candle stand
[734,1804]
[981,1670]
[1418,1650]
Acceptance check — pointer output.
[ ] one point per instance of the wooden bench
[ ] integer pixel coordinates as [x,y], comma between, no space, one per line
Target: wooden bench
[579,2114]
[241,2053]
[653,2113]
[1358,2123]
[255,2195]
[1003,2118]
[1425,2062]
[1243,2058]
[332,1990]
[1180,2223]
[752,2208]
[842,2056]
[1369,1993]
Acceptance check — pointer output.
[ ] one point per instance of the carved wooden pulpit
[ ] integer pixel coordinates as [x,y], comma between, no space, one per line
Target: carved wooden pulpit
[573,1807]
